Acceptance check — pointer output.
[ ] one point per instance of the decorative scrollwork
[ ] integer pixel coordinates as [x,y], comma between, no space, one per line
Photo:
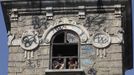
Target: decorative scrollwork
[29,40]
[38,22]
[95,22]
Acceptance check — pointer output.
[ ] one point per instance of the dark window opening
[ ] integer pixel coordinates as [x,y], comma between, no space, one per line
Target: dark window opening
[59,38]
[64,50]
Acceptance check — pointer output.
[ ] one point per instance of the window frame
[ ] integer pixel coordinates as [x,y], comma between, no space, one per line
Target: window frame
[65,36]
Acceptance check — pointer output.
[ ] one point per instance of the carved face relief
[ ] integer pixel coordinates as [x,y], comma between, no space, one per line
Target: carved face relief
[29,40]
[101,40]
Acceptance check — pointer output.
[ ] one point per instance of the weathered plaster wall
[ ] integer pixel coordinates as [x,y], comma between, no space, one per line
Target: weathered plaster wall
[105,61]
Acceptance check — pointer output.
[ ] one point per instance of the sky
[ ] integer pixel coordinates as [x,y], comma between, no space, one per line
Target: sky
[4,47]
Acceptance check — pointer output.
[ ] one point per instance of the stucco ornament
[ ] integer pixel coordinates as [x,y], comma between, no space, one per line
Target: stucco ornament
[11,37]
[29,40]
[65,24]
[101,40]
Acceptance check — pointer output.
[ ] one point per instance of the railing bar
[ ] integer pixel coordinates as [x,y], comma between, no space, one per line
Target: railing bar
[67,57]
[65,63]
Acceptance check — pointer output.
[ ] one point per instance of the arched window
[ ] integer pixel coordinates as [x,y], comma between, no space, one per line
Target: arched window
[64,50]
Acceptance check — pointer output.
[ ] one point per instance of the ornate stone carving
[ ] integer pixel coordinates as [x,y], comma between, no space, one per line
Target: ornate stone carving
[117,38]
[81,12]
[49,13]
[11,37]
[29,40]
[30,63]
[116,34]
[101,52]
[79,30]
[101,40]
[95,22]
[117,11]
[38,22]
[14,15]
[65,24]
[64,20]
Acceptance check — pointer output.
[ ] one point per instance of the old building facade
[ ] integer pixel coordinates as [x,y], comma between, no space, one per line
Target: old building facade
[68,37]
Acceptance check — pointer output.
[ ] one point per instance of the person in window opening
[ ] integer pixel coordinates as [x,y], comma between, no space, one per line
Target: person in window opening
[58,63]
[72,63]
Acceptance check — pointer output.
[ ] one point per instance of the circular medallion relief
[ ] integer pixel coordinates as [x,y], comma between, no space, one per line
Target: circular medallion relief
[101,40]
[29,40]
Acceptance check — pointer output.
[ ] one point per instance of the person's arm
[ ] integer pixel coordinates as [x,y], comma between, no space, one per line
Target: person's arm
[61,66]
[76,64]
